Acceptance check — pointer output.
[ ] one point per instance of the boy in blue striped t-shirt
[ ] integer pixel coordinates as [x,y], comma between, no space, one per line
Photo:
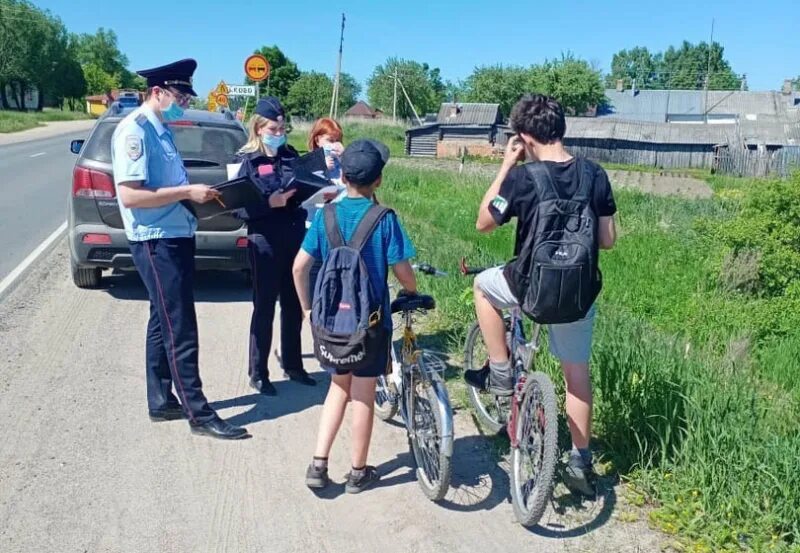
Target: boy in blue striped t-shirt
[362,164]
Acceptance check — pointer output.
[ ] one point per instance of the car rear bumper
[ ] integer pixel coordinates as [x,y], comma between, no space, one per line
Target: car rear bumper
[215,250]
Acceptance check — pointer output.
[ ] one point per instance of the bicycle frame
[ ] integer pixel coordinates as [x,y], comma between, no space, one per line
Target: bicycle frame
[521,353]
[520,346]
[403,376]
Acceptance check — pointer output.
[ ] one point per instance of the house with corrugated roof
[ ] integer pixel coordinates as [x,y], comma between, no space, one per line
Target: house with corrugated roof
[721,107]
[738,131]
[469,128]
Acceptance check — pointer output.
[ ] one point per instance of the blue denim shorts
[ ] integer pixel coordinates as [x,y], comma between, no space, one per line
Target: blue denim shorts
[569,342]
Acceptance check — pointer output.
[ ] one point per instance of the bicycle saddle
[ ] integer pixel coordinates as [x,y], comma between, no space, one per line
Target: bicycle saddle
[412,303]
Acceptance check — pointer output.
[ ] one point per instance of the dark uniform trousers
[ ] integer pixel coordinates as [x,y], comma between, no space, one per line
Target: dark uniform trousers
[167,268]
[272,247]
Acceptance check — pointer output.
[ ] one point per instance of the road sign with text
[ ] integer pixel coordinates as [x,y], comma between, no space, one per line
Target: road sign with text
[241,90]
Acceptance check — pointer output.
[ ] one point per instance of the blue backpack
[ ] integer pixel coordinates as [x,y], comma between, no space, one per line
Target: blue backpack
[347,313]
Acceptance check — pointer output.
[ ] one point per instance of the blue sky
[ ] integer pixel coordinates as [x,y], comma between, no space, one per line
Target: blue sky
[760,38]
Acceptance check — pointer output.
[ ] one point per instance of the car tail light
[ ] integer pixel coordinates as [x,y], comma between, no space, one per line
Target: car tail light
[241,242]
[88,183]
[96,239]
[182,124]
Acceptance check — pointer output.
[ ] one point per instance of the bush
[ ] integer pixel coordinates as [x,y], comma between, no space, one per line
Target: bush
[767,227]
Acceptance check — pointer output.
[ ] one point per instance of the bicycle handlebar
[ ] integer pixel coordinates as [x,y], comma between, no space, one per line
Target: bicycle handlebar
[462,266]
[428,269]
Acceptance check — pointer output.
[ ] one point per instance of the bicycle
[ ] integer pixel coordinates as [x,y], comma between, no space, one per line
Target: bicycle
[529,415]
[418,391]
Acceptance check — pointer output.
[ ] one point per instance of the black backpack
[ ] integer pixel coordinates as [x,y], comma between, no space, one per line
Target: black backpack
[563,276]
[347,313]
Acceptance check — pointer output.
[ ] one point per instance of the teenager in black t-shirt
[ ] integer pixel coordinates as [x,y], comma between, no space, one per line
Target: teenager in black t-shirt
[539,124]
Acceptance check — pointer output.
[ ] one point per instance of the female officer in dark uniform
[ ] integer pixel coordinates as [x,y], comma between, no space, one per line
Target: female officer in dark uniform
[275,231]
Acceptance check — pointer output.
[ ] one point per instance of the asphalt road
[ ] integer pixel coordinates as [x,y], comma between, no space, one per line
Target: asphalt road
[35,183]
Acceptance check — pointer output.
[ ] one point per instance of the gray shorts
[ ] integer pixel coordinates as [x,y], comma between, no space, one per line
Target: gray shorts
[569,342]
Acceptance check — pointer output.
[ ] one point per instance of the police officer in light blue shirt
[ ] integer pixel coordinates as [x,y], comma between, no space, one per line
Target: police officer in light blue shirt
[153,193]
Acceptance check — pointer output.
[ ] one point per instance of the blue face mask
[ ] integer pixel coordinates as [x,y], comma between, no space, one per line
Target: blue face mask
[172,113]
[273,142]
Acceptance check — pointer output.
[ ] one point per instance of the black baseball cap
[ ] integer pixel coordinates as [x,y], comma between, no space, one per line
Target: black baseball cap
[363,161]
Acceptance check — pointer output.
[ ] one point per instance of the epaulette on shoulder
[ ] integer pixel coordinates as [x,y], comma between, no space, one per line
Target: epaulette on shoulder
[141,120]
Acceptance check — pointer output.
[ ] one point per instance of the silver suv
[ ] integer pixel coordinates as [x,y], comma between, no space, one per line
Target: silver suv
[206,141]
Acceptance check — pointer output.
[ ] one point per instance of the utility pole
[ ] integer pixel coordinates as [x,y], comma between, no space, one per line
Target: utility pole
[419,121]
[335,95]
[394,101]
[708,69]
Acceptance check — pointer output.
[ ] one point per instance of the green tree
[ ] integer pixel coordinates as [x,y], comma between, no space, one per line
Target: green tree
[438,86]
[283,73]
[349,89]
[310,95]
[453,91]
[101,50]
[637,63]
[419,81]
[498,84]
[99,81]
[72,82]
[571,81]
[684,67]
[33,47]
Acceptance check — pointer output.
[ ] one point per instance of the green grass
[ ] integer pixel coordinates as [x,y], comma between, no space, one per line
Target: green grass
[696,391]
[392,135]
[14,121]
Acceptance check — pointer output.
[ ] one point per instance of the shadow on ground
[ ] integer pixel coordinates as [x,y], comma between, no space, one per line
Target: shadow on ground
[209,286]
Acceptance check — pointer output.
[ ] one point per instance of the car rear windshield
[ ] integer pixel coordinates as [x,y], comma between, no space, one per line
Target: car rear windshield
[209,144]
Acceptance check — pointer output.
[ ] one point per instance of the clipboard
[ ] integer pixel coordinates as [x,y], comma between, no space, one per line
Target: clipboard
[234,194]
[310,163]
[307,185]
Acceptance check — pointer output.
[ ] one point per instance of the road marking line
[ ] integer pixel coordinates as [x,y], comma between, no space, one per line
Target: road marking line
[39,154]
[20,269]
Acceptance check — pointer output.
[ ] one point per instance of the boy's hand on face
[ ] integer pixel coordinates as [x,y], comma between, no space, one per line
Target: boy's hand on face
[514,152]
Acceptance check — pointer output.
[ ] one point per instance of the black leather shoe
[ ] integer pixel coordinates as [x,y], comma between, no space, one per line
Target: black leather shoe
[171,413]
[218,428]
[301,376]
[263,387]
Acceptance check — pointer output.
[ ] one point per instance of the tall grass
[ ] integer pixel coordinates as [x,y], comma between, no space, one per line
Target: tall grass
[14,121]
[696,405]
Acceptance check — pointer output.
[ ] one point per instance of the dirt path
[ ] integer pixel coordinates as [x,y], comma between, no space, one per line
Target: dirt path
[667,184]
[83,470]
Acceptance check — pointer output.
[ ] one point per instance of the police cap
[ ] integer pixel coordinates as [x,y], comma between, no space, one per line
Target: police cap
[177,75]
[271,108]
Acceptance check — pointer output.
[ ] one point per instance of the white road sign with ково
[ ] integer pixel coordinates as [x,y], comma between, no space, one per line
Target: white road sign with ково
[241,90]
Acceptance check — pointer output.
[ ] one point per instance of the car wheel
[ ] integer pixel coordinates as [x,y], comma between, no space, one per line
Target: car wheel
[86,278]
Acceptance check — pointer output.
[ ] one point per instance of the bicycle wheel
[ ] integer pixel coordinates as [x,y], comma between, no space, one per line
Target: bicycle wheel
[533,461]
[425,440]
[492,411]
[385,399]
